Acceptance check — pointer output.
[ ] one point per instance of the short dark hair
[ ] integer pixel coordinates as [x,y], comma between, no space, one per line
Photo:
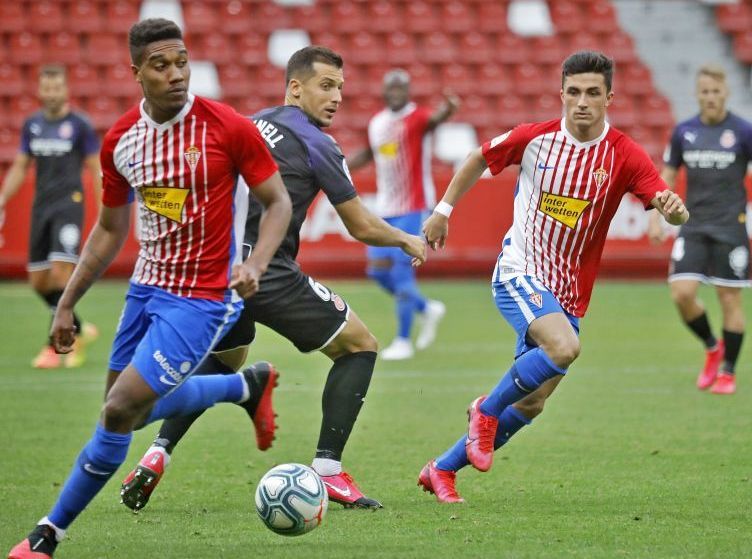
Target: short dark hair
[149,31]
[301,62]
[52,71]
[588,61]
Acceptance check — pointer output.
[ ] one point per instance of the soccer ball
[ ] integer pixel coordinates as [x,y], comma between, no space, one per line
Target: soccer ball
[291,499]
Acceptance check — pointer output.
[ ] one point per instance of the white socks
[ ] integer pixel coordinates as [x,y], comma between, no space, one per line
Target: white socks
[59,532]
[326,466]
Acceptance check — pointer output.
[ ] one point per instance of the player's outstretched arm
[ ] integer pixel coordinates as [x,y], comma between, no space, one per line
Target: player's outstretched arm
[95,170]
[436,227]
[103,244]
[275,220]
[372,230]
[360,159]
[445,110]
[671,207]
[14,178]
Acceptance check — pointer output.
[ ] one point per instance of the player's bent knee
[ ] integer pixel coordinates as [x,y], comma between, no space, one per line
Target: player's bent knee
[120,413]
[563,350]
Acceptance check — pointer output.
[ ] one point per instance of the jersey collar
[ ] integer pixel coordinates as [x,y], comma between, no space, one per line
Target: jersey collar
[168,123]
[406,110]
[580,144]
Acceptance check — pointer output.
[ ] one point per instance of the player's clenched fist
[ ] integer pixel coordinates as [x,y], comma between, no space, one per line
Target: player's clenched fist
[416,247]
[245,279]
[63,331]
[436,229]
[672,207]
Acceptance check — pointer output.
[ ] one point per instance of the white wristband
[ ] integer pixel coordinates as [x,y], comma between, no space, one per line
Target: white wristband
[444,209]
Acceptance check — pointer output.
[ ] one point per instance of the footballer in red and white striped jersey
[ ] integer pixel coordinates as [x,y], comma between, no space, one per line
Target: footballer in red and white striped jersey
[567,193]
[401,145]
[183,174]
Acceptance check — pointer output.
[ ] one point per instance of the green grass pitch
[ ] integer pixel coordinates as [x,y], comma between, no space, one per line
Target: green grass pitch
[628,460]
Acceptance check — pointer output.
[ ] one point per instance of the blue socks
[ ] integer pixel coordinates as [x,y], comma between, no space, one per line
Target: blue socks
[382,276]
[409,298]
[511,420]
[528,372]
[99,459]
[198,393]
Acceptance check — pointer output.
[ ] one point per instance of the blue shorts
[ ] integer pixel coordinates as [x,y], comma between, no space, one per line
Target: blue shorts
[165,336]
[521,300]
[409,223]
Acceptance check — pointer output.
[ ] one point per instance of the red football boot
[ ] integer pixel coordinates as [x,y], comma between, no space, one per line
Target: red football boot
[439,482]
[138,485]
[481,431]
[40,544]
[261,377]
[342,489]
[713,358]
[725,383]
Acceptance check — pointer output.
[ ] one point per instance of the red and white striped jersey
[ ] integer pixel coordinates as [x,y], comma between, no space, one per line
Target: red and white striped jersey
[567,193]
[401,150]
[183,174]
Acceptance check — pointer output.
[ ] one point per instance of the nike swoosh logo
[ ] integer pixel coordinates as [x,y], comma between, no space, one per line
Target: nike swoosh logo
[134,163]
[519,385]
[543,167]
[168,381]
[344,492]
[92,470]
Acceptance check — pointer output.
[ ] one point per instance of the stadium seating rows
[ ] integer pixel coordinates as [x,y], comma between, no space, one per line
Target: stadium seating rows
[464,46]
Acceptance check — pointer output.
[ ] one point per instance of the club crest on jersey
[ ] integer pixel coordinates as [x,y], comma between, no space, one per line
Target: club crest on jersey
[389,149]
[563,209]
[600,175]
[536,299]
[192,155]
[165,201]
[727,139]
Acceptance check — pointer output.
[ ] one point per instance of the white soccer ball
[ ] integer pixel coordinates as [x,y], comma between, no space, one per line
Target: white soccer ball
[291,499]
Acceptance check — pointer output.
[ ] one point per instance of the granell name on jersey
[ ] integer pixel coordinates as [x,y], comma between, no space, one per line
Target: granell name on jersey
[269,132]
[707,159]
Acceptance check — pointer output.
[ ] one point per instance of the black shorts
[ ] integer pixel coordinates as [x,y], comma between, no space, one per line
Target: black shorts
[55,234]
[295,306]
[718,255]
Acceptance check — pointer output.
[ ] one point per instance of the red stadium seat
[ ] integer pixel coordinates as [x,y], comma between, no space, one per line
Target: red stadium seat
[329,40]
[21,108]
[311,18]
[84,17]
[217,48]
[493,79]
[734,18]
[364,48]
[12,17]
[9,144]
[401,49]
[26,48]
[360,110]
[585,41]
[529,80]
[383,17]
[548,50]
[601,17]
[14,83]
[356,82]
[438,48]
[546,107]
[492,17]
[121,14]
[743,47]
[476,48]
[510,111]
[270,84]
[420,17]
[63,47]
[622,113]
[350,17]
[103,50]
[248,105]
[568,17]
[200,18]
[251,48]
[269,16]
[475,110]
[620,47]
[121,83]
[103,112]
[47,17]
[237,80]
[655,111]
[633,79]
[423,80]
[84,80]
[235,17]
[457,17]
[511,49]
[458,79]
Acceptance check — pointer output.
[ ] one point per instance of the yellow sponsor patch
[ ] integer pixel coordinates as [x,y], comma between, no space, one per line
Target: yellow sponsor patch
[165,201]
[389,149]
[562,208]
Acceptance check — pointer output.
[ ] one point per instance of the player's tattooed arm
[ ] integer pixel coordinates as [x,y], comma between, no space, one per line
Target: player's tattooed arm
[671,207]
[103,244]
